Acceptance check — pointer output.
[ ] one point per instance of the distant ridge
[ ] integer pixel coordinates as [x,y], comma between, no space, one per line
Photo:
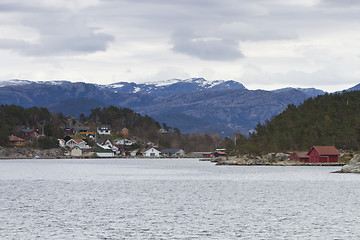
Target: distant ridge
[67,106]
[191,104]
[354,88]
[172,86]
[311,92]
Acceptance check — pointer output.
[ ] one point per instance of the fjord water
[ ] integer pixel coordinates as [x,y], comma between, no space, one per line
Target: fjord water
[174,199]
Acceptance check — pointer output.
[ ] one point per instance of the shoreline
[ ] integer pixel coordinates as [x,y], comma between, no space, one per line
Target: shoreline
[246,161]
[218,161]
[271,159]
[279,164]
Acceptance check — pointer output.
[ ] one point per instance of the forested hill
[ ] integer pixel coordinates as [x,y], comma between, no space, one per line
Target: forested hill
[141,129]
[330,119]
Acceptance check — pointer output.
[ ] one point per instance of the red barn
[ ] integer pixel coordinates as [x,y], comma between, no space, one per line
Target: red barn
[323,154]
[299,156]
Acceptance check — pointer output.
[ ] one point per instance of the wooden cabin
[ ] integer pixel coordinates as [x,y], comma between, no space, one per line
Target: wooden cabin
[300,156]
[16,141]
[323,154]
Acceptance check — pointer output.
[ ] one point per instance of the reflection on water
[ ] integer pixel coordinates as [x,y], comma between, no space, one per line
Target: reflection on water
[174,199]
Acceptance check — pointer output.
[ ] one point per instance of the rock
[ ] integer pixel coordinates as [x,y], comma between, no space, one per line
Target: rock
[281,157]
[269,157]
[26,152]
[353,166]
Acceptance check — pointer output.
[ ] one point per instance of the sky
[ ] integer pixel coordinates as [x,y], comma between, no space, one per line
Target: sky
[263,44]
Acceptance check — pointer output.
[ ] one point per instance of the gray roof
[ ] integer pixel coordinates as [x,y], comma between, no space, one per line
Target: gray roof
[171,151]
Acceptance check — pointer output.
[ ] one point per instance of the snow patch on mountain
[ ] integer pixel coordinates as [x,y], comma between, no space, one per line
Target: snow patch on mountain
[199,81]
[14,82]
[116,85]
[164,83]
[214,83]
[137,89]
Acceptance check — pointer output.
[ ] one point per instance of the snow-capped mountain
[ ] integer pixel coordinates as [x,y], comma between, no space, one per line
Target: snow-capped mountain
[18,82]
[172,86]
[190,105]
[14,82]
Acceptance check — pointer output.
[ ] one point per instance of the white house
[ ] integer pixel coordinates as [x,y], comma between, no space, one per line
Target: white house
[125,142]
[108,145]
[101,152]
[77,142]
[61,142]
[152,152]
[104,130]
[75,151]
[133,153]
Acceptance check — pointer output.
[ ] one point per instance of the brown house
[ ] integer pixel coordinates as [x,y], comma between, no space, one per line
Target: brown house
[323,154]
[300,156]
[16,141]
[123,132]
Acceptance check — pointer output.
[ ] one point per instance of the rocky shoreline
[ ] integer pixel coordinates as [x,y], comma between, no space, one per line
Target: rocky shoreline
[29,153]
[353,166]
[271,159]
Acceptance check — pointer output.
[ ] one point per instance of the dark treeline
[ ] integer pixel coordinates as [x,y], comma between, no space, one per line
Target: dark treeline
[330,119]
[13,118]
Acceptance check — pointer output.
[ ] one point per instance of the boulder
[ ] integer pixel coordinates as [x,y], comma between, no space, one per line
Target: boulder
[281,157]
[353,166]
[269,157]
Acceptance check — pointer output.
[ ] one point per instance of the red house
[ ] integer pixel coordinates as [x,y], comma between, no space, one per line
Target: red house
[323,154]
[220,154]
[299,156]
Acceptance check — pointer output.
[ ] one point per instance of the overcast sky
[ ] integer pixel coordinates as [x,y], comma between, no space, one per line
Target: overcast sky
[264,44]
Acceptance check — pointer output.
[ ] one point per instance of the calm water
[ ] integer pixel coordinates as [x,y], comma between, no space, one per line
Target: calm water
[174,199]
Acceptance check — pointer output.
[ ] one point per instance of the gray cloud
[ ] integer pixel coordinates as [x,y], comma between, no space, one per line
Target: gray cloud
[13,44]
[60,31]
[206,49]
[339,3]
[148,35]
[205,29]
[22,7]
[56,46]
[66,45]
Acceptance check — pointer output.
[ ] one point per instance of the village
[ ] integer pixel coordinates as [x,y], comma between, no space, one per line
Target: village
[92,140]
[103,142]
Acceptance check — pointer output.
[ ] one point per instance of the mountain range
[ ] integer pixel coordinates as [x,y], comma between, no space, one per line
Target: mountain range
[190,105]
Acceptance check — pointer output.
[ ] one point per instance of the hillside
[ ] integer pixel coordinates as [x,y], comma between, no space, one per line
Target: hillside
[192,105]
[223,110]
[71,106]
[16,120]
[330,119]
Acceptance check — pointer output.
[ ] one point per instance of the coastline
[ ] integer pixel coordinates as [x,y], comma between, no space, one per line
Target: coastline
[271,159]
[263,161]
[30,153]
